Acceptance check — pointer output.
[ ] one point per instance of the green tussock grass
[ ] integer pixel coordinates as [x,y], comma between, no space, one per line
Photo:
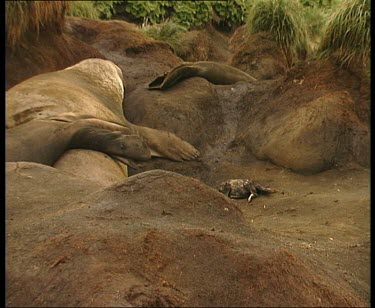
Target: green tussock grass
[31,17]
[315,19]
[167,31]
[84,9]
[347,37]
[284,20]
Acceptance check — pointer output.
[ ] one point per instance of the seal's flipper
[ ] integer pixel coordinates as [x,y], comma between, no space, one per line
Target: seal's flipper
[109,141]
[126,161]
[167,145]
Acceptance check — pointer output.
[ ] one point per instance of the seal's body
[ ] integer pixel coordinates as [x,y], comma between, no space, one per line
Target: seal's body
[214,72]
[93,87]
[80,107]
[44,141]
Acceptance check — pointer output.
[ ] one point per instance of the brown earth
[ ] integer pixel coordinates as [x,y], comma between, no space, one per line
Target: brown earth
[147,242]
[204,45]
[155,238]
[257,55]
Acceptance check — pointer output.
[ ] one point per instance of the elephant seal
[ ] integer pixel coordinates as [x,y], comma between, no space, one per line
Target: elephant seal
[243,188]
[81,107]
[45,140]
[214,72]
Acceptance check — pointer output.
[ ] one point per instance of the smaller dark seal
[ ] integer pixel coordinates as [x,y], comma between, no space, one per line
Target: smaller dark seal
[243,188]
[214,72]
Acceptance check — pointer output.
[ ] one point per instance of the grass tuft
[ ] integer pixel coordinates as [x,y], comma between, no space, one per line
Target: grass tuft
[316,22]
[84,9]
[347,37]
[92,9]
[167,31]
[283,19]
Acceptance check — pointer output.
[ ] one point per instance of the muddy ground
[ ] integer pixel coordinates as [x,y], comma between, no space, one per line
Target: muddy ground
[322,219]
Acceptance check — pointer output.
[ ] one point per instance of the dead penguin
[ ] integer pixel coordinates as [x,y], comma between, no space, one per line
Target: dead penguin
[243,188]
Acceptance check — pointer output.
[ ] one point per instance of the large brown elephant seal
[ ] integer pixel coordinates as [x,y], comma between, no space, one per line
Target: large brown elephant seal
[45,140]
[214,72]
[81,107]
